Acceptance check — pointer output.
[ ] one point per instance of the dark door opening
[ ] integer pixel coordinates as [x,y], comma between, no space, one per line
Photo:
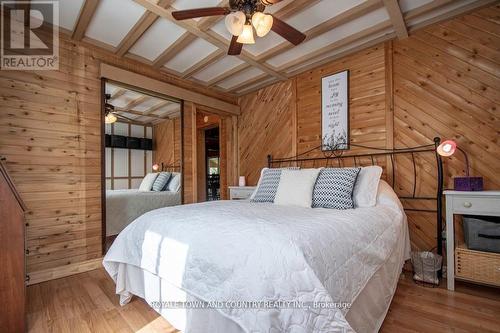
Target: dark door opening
[212,164]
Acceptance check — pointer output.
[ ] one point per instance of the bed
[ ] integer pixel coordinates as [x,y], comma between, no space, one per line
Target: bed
[124,206]
[240,266]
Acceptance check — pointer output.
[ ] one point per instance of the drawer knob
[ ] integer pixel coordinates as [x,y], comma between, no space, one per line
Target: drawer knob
[467,204]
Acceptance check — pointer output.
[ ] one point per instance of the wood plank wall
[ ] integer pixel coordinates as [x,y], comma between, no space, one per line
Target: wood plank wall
[442,81]
[447,84]
[50,134]
[167,142]
[284,119]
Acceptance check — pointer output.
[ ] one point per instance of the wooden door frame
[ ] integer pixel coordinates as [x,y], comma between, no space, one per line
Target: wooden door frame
[230,169]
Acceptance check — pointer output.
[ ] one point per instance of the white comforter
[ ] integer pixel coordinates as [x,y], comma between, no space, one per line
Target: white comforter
[238,250]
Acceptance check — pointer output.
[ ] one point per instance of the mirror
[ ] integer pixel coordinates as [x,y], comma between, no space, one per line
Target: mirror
[142,159]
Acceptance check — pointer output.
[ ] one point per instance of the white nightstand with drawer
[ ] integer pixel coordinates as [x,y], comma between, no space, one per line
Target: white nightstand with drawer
[486,203]
[240,192]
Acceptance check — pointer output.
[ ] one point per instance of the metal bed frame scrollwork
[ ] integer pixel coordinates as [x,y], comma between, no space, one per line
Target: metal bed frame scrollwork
[332,154]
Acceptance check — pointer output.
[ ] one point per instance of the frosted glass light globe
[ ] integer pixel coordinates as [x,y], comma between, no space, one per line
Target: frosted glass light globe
[262,23]
[235,22]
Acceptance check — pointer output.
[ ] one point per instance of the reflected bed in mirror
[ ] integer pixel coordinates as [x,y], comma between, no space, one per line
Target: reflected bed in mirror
[142,155]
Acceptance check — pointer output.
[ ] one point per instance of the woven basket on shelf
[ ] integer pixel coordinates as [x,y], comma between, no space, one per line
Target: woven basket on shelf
[477,266]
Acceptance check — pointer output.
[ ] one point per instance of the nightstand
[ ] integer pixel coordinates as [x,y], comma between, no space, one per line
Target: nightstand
[472,266]
[241,192]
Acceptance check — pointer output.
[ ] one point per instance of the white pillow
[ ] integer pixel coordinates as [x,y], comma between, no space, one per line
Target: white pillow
[174,184]
[365,190]
[147,182]
[296,187]
[386,196]
[260,179]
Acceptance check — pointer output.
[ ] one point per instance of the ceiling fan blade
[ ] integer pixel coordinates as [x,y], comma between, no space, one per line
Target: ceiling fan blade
[234,47]
[287,31]
[200,12]
[269,2]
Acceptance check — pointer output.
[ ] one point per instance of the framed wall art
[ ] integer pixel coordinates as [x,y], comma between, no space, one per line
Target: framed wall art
[335,111]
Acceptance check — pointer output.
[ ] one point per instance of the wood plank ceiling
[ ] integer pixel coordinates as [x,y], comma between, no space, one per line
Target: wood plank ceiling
[196,49]
[141,108]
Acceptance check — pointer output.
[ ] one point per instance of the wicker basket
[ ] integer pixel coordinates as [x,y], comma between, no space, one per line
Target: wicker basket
[426,266]
[477,266]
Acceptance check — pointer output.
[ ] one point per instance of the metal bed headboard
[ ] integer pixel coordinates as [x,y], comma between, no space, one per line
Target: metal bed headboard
[333,155]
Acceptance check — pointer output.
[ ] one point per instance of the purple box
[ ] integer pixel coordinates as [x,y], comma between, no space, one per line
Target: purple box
[468,183]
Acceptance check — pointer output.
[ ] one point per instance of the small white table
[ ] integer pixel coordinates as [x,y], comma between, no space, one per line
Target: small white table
[486,203]
[240,192]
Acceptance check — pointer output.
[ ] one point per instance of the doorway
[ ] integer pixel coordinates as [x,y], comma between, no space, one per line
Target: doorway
[212,164]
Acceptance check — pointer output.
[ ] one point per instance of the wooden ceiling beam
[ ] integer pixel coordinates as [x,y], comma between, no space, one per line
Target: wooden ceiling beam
[322,61]
[396,17]
[425,8]
[207,22]
[117,93]
[156,107]
[144,23]
[243,92]
[136,113]
[210,59]
[210,36]
[182,42]
[248,82]
[338,44]
[84,18]
[294,8]
[135,102]
[462,10]
[344,17]
[227,74]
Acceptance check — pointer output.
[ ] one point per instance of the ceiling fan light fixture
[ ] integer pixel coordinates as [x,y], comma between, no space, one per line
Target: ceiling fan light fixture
[110,118]
[235,23]
[262,23]
[246,36]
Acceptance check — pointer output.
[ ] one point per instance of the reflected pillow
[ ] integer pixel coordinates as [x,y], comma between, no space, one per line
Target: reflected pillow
[161,181]
[147,182]
[174,184]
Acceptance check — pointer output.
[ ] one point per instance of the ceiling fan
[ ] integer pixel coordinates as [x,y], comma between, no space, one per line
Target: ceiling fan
[110,115]
[242,17]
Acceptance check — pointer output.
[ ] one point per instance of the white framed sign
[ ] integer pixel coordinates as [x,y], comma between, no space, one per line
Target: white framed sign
[335,111]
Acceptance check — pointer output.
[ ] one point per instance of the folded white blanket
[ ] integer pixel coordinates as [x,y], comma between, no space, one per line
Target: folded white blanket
[243,251]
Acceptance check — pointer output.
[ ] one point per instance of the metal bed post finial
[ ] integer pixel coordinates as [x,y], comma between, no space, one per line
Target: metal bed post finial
[439,198]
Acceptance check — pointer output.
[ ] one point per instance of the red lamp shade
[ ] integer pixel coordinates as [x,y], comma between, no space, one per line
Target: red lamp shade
[447,148]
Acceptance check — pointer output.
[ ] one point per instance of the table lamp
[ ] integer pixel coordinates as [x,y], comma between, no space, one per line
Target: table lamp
[467,183]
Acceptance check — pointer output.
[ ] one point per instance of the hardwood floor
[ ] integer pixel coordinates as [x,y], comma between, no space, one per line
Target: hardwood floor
[87,303]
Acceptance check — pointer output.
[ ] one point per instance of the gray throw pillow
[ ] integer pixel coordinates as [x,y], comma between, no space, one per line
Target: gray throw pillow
[334,188]
[161,181]
[268,185]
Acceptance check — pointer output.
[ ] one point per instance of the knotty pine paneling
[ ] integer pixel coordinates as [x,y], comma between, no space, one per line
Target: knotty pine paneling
[50,133]
[285,118]
[447,84]
[166,141]
[441,81]
[266,126]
